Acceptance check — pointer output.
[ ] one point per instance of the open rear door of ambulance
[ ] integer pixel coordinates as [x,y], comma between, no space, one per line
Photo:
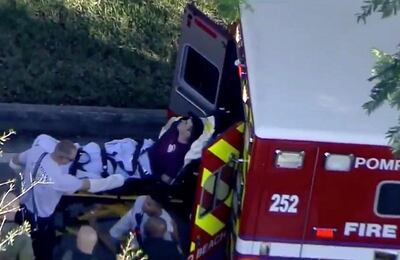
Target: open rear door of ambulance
[206,81]
[214,193]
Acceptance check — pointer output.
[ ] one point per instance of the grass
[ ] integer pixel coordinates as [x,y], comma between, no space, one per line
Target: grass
[90,52]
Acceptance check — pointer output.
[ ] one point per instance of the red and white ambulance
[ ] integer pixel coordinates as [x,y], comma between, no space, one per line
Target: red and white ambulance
[298,169]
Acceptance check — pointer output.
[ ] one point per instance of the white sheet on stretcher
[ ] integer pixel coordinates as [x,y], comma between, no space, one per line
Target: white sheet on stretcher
[93,165]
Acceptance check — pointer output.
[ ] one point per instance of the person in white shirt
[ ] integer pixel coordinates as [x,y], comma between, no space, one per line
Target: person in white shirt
[43,171]
[134,220]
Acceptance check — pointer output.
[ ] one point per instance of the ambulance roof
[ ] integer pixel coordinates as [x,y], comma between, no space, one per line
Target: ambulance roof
[308,63]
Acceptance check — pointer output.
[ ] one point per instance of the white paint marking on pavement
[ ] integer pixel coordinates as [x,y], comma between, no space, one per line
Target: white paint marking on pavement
[6,157]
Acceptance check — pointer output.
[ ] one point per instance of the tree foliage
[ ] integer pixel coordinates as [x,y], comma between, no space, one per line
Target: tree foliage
[131,252]
[229,9]
[385,7]
[7,205]
[386,71]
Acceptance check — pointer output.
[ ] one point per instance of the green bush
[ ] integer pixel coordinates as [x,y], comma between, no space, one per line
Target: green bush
[89,52]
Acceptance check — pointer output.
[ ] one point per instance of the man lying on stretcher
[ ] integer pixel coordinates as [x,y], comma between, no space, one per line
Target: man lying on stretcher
[161,159]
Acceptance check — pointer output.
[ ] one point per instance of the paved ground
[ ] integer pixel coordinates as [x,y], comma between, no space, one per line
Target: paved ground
[81,120]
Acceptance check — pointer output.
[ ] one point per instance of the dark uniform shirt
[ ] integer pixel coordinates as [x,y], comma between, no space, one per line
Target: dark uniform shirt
[160,249]
[167,154]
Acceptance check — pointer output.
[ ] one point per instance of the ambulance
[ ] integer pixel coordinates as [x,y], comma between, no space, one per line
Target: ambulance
[296,168]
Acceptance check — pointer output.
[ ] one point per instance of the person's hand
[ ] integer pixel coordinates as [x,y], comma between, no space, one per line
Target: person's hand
[16,167]
[92,219]
[165,178]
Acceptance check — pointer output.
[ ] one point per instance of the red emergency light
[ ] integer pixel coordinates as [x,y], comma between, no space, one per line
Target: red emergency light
[327,233]
[205,28]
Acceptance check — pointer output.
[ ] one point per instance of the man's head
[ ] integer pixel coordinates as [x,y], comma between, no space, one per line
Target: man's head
[155,227]
[65,152]
[190,128]
[152,205]
[86,239]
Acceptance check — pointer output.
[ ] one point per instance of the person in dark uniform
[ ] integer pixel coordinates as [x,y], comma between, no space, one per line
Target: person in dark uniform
[155,246]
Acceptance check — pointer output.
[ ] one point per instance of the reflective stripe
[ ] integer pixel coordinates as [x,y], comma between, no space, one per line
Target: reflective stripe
[343,252]
[223,150]
[237,226]
[208,126]
[228,201]
[240,128]
[204,178]
[288,250]
[247,247]
[209,223]
[192,247]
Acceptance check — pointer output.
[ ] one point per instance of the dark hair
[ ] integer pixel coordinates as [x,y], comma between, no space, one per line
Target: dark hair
[197,128]
[159,193]
[153,225]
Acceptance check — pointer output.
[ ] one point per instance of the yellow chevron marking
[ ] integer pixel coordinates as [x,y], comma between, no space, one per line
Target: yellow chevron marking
[206,174]
[192,247]
[223,150]
[237,226]
[240,128]
[208,127]
[209,223]
[228,201]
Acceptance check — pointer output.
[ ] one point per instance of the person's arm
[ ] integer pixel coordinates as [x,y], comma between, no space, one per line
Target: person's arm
[15,159]
[172,170]
[174,233]
[18,161]
[166,179]
[96,185]
[126,224]
[70,184]
[123,226]
[167,126]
